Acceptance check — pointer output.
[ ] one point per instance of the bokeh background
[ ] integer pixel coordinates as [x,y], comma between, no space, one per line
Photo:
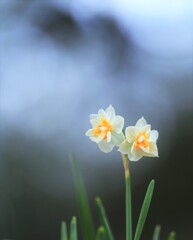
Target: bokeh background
[62,60]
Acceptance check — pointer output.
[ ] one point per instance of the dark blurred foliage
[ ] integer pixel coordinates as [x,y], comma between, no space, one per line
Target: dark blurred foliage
[64,29]
[36,185]
[59,25]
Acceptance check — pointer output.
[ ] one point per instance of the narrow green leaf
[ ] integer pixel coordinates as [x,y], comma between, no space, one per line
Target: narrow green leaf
[83,203]
[104,220]
[101,234]
[73,229]
[64,234]
[157,231]
[128,208]
[172,236]
[144,210]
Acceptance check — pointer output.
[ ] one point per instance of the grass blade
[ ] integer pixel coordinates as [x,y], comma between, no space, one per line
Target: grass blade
[73,229]
[157,231]
[101,234]
[83,203]
[172,236]
[104,220]
[144,210]
[64,234]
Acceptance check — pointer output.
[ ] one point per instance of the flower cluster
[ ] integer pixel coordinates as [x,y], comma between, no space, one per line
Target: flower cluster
[107,132]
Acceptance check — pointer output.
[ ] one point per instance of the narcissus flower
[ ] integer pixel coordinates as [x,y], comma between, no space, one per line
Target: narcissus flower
[140,141]
[106,129]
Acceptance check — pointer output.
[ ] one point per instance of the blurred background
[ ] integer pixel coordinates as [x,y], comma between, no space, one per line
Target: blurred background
[62,60]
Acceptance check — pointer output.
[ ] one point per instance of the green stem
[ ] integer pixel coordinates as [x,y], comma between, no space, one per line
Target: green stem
[128,198]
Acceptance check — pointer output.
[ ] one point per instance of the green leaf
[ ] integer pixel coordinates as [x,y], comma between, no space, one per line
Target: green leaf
[101,234]
[104,220]
[157,231]
[64,234]
[172,236]
[83,203]
[73,229]
[144,210]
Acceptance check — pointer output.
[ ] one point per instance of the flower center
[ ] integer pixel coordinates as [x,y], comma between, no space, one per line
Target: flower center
[142,140]
[103,128]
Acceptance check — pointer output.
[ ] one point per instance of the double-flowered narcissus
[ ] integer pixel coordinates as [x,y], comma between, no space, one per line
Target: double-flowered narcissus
[107,132]
[140,141]
[106,129]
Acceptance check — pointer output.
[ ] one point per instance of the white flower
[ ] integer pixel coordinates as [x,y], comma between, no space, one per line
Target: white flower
[106,129]
[140,141]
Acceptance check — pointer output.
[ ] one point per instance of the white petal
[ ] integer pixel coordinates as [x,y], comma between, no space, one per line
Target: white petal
[154,136]
[94,139]
[97,139]
[138,154]
[145,149]
[125,147]
[146,128]
[101,113]
[89,132]
[117,124]
[131,133]
[133,149]
[141,122]
[105,146]
[94,122]
[153,150]
[116,138]
[110,112]
[94,116]
[108,136]
[100,137]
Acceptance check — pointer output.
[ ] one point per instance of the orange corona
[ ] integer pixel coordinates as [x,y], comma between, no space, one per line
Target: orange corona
[103,128]
[142,140]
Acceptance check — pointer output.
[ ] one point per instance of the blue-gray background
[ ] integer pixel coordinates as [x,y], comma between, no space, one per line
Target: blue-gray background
[61,61]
